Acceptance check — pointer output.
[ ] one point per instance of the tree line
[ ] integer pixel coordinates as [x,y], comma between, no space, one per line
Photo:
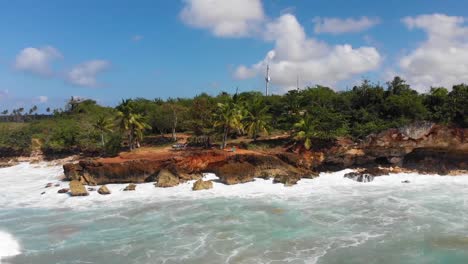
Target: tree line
[314,112]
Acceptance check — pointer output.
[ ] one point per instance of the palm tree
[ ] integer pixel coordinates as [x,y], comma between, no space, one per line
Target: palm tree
[103,125]
[305,131]
[131,123]
[229,116]
[257,119]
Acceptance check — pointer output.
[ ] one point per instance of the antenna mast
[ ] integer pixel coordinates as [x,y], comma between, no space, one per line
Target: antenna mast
[267,79]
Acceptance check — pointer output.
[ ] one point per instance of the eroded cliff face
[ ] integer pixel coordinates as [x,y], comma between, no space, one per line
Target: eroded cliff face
[231,168]
[426,148]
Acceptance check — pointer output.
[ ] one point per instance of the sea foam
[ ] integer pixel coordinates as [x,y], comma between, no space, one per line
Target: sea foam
[9,246]
[26,188]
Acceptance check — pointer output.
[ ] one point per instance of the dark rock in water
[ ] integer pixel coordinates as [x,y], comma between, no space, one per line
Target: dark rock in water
[405,181]
[42,193]
[359,177]
[130,187]
[77,189]
[103,190]
[64,190]
[57,185]
[91,189]
[48,185]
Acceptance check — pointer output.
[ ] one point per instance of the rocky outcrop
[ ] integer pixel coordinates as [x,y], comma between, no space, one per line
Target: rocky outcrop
[130,187]
[359,176]
[103,190]
[244,168]
[287,180]
[202,185]
[424,147]
[166,179]
[77,189]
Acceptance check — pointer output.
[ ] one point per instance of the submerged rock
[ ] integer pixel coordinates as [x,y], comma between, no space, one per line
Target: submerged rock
[405,181]
[359,177]
[104,190]
[202,185]
[64,190]
[130,187]
[91,189]
[77,189]
[48,185]
[167,179]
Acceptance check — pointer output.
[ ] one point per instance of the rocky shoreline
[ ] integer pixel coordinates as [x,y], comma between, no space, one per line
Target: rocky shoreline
[426,149]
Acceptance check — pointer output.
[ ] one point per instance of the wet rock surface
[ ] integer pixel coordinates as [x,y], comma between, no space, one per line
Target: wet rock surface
[103,190]
[77,189]
[130,187]
[359,176]
[202,185]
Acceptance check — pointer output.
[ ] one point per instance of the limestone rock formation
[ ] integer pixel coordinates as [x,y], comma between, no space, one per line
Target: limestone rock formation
[104,190]
[166,179]
[77,189]
[202,185]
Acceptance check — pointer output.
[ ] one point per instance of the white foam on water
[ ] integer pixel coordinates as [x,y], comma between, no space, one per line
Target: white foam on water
[9,246]
[26,188]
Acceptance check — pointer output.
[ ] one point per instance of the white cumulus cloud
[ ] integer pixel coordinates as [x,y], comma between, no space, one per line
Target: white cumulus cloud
[43,99]
[347,25]
[85,74]
[442,59]
[234,18]
[313,61]
[37,60]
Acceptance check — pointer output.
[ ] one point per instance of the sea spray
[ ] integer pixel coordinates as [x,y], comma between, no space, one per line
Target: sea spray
[9,246]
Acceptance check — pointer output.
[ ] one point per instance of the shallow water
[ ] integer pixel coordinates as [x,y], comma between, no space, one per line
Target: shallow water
[325,220]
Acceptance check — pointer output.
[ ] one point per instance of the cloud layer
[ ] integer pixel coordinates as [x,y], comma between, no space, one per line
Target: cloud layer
[340,26]
[85,74]
[37,60]
[442,59]
[314,62]
[223,18]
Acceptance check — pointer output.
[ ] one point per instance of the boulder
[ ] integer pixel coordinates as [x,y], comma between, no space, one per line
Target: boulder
[72,171]
[64,190]
[48,185]
[104,190]
[77,189]
[88,180]
[235,173]
[202,185]
[287,180]
[130,187]
[166,179]
[359,176]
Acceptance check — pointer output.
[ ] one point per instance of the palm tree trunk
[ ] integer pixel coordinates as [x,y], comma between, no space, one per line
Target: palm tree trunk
[225,135]
[130,140]
[102,139]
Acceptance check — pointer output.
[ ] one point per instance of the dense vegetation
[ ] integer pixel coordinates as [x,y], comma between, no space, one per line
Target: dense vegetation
[314,112]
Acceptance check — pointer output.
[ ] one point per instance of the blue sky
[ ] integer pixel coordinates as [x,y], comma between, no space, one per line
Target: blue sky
[108,50]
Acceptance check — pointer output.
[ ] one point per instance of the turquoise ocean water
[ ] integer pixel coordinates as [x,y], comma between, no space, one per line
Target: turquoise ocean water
[325,220]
